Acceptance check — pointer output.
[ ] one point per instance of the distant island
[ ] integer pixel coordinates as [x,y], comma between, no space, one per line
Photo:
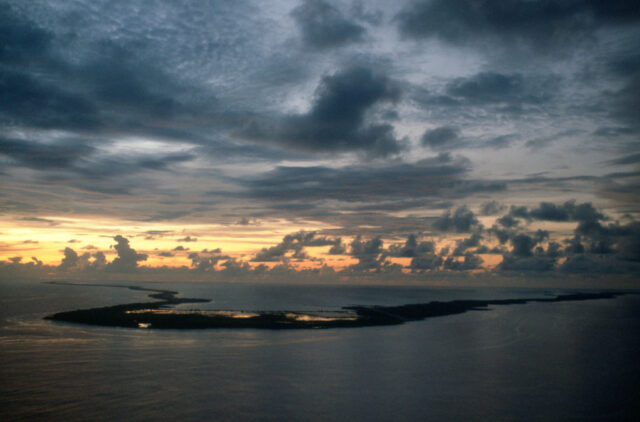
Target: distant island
[160,314]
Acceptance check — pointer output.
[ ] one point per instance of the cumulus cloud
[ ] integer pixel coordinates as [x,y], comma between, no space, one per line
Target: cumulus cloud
[70,259]
[127,259]
[492,207]
[464,244]
[369,254]
[296,242]
[470,262]
[462,220]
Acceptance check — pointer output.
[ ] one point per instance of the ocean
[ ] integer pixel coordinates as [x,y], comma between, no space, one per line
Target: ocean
[537,361]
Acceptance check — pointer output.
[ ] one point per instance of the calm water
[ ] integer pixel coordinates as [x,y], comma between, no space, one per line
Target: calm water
[561,361]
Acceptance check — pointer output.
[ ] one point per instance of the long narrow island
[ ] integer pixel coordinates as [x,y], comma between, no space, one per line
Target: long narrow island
[160,314]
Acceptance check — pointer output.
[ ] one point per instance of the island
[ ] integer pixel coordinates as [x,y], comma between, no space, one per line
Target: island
[161,314]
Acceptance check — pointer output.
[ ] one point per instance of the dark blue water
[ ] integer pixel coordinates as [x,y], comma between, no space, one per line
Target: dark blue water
[540,361]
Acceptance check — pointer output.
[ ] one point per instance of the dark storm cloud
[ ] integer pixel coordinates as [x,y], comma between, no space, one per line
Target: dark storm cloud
[324,27]
[78,157]
[545,141]
[611,132]
[21,40]
[336,121]
[544,26]
[43,156]
[441,137]
[106,85]
[28,101]
[491,88]
[110,89]
[447,138]
[625,102]
[441,177]
[548,211]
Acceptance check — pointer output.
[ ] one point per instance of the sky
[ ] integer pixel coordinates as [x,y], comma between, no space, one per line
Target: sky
[420,141]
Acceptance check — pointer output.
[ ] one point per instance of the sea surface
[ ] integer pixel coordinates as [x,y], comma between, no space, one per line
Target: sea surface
[534,362]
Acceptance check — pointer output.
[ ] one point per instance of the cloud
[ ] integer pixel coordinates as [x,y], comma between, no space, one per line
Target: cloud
[411,248]
[336,121]
[427,262]
[492,207]
[70,259]
[39,220]
[369,254]
[507,221]
[440,138]
[187,239]
[626,160]
[22,40]
[490,88]
[623,240]
[422,253]
[568,211]
[544,141]
[624,101]
[324,27]
[30,102]
[245,221]
[464,244]
[470,262]
[462,220]
[528,263]
[439,177]
[127,259]
[543,27]
[44,156]
[204,263]
[296,242]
